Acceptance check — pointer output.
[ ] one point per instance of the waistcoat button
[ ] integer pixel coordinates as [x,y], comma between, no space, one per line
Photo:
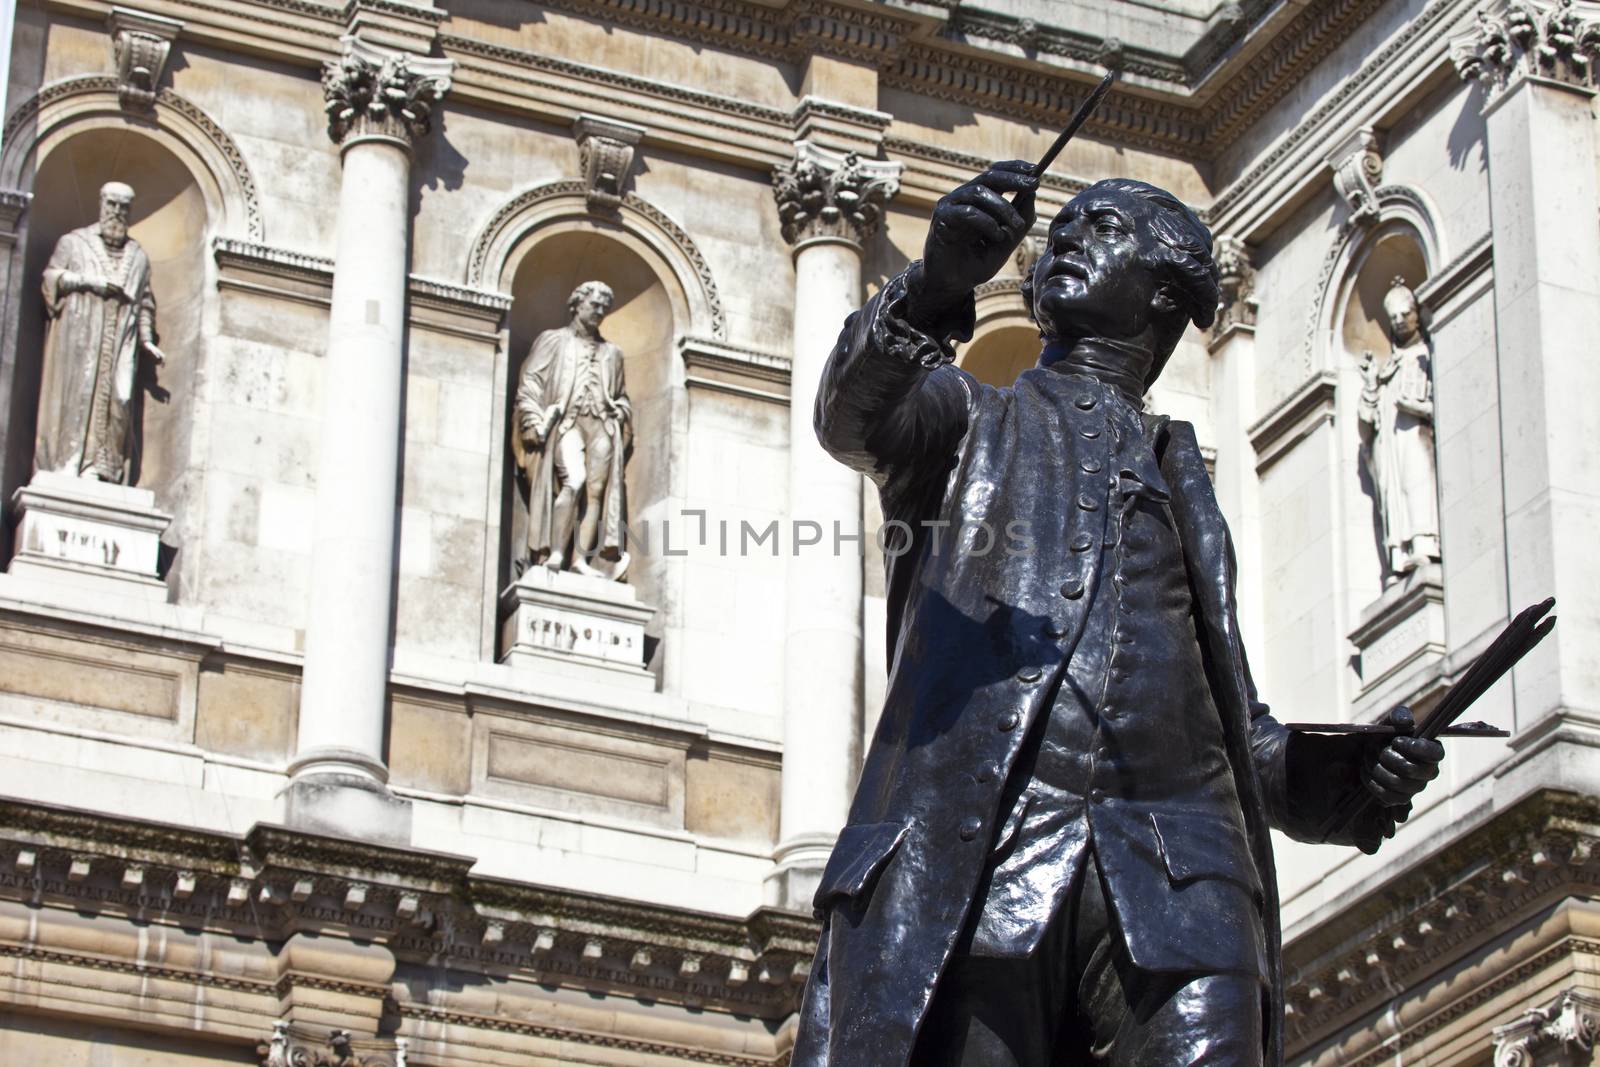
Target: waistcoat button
[1089,465]
[1084,401]
[969,828]
[1008,721]
[1072,588]
[1029,674]
[1087,502]
[1081,542]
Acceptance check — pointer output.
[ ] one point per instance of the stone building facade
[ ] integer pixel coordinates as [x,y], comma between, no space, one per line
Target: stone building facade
[296,762]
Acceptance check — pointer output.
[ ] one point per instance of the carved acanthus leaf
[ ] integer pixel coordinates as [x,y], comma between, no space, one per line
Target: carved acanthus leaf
[287,1047]
[1357,170]
[826,194]
[372,91]
[1238,283]
[1560,1033]
[1550,40]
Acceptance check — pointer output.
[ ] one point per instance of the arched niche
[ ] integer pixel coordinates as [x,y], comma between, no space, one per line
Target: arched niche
[172,221]
[540,274]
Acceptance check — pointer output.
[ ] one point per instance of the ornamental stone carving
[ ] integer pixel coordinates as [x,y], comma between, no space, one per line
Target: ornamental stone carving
[1238,283]
[288,1048]
[828,194]
[605,152]
[140,44]
[1396,413]
[372,92]
[1357,170]
[1561,1034]
[1511,37]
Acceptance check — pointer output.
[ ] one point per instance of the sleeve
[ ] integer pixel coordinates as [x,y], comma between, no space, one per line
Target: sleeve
[58,275]
[889,404]
[533,385]
[1304,777]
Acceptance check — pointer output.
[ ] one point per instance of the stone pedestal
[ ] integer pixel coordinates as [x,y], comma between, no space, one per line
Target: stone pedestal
[1401,640]
[99,538]
[575,626]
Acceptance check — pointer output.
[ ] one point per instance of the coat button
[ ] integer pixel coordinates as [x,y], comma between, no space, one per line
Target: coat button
[1087,502]
[1097,795]
[969,828]
[1029,674]
[1008,721]
[987,774]
[1072,588]
[1109,712]
[1081,542]
[1090,432]
[1084,401]
[1089,465]
[1055,630]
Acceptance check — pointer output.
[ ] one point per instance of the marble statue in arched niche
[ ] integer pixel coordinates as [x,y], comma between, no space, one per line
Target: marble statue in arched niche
[1396,413]
[1385,334]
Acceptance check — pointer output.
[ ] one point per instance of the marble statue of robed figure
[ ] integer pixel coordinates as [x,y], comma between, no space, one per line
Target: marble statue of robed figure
[1058,849]
[572,430]
[1396,413]
[99,318]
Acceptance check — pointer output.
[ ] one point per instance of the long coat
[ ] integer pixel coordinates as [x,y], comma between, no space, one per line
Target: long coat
[91,356]
[548,377]
[971,668]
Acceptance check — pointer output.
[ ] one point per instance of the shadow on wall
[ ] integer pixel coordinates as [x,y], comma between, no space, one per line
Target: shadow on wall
[170,221]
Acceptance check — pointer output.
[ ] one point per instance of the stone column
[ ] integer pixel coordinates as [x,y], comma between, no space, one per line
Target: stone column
[378,105]
[1537,63]
[1233,409]
[829,203]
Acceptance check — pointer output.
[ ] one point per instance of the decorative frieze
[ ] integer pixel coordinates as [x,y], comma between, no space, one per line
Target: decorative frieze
[1560,1034]
[826,194]
[605,153]
[372,92]
[1512,37]
[140,44]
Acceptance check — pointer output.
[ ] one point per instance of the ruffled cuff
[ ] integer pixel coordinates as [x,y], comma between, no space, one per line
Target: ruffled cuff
[928,345]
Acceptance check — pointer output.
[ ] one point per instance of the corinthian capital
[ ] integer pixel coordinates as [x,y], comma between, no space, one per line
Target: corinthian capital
[826,194]
[1511,37]
[1561,1034]
[373,92]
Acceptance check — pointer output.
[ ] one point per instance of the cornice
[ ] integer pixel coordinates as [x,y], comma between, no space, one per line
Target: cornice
[424,906]
[1485,882]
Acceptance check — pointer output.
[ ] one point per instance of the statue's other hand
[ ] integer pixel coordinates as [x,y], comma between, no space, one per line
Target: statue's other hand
[975,229]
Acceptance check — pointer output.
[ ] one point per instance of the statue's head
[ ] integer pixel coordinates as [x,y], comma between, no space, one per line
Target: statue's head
[1403,313]
[1128,262]
[116,204]
[589,303]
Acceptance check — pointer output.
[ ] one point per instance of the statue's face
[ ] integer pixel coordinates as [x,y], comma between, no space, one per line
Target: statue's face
[1094,278]
[114,212]
[591,308]
[1405,322]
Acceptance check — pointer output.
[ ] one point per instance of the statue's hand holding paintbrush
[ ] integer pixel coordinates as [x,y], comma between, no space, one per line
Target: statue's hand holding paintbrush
[975,229]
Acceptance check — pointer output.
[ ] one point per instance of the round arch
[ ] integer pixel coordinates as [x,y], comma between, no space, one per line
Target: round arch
[1401,210]
[1005,339]
[638,225]
[68,107]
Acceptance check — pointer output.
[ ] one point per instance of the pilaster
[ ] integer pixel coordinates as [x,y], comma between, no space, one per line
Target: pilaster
[1232,343]
[1537,64]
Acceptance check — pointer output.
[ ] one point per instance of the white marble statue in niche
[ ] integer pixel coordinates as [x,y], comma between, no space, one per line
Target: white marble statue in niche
[1396,412]
[100,318]
[572,432]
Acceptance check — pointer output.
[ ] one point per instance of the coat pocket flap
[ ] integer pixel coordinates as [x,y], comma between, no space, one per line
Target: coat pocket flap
[860,853]
[1205,846]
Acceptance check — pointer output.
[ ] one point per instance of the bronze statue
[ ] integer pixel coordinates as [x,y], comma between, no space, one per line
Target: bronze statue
[572,428]
[1396,413]
[1059,842]
[99,316]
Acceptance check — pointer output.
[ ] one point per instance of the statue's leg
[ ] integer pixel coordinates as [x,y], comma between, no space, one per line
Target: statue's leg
[1136,1018]
[569,466]
[596,477]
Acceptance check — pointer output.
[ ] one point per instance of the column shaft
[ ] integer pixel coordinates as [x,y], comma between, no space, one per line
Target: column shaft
[352,567]
[822,624]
